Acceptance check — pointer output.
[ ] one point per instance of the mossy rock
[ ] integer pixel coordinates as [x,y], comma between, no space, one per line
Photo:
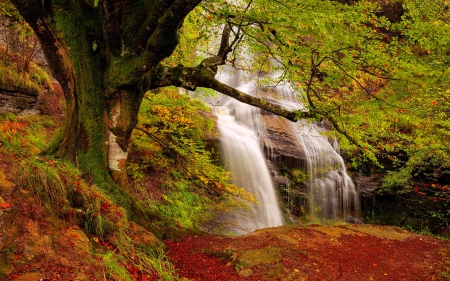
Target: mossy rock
[260,256]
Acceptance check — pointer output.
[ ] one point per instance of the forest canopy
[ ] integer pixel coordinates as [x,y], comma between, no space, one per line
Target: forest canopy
[377,70]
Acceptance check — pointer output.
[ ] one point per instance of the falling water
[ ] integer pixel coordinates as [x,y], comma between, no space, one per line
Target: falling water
[244,158]
[332,194]
[241,130]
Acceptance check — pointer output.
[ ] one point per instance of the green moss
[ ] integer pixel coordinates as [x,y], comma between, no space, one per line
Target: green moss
[13,75]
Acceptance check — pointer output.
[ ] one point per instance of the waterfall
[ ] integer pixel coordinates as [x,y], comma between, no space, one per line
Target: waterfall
[241,131]
[331,193]
[243,156]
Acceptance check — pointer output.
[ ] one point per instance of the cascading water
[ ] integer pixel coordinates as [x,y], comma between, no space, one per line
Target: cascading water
[332,194]
[240,130]
[244,158]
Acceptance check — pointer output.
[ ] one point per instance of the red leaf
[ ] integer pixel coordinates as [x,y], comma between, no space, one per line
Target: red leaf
[4,205]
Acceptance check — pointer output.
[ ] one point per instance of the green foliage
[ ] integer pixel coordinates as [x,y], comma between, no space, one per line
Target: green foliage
[13,76]
[298,175]
[182,207]
[65,195]
[170,145]
[6,8]
[173,121]
[25,136]
[114,267]
[377,71]
[193,40]
[118,267]
[422,208]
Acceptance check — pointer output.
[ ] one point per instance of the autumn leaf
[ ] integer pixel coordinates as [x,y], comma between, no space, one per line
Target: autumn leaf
[4,205]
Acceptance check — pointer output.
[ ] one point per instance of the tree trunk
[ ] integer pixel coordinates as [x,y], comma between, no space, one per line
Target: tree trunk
[121,110]
[105,55]
[99,123]
[101,112]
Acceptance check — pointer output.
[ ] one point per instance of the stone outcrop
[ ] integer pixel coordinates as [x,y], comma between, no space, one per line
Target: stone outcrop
[18,99]
[282,140]
[19,102]
[11,38]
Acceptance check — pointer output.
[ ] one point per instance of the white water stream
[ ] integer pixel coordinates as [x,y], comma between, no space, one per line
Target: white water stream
[332,194]
[241,130]
[243,156]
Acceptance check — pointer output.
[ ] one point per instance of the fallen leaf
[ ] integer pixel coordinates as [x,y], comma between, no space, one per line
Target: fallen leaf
[4,205]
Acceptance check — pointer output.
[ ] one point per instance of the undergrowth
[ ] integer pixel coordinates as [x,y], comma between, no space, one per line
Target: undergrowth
[170,145]
[132,253]
[65,195]
[13,74]
[173,177]
[171,128]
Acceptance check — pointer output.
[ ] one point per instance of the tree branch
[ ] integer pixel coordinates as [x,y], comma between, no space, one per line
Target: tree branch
[192,77]
[164,39]
[225,42]
[111,17]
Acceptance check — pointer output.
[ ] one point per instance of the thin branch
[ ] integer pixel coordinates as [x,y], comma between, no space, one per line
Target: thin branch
[183,161]
[365,70]
[359,83]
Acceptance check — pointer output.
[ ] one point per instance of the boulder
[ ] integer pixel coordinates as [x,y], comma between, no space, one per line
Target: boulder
[282,140]
[19,102]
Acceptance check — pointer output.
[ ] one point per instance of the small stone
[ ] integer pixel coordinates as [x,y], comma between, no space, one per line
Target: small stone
[245,272]
[80,240]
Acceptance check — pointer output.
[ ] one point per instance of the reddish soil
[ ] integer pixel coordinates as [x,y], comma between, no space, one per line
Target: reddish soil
[345,252]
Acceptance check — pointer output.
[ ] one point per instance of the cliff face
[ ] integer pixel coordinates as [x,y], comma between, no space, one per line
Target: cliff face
[18,101]
[22,81]
[284,144]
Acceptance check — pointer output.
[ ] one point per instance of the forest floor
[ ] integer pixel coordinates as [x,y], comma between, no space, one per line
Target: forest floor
[340,252]
[35,246]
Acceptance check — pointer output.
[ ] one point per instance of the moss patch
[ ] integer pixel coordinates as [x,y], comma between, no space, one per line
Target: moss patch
[260,256]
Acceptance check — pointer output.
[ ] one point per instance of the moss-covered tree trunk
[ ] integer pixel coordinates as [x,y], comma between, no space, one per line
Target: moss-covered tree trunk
[106,55]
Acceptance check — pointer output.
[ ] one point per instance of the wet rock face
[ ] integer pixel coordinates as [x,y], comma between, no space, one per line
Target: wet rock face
[18,102]
[282,138]
[367,185]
